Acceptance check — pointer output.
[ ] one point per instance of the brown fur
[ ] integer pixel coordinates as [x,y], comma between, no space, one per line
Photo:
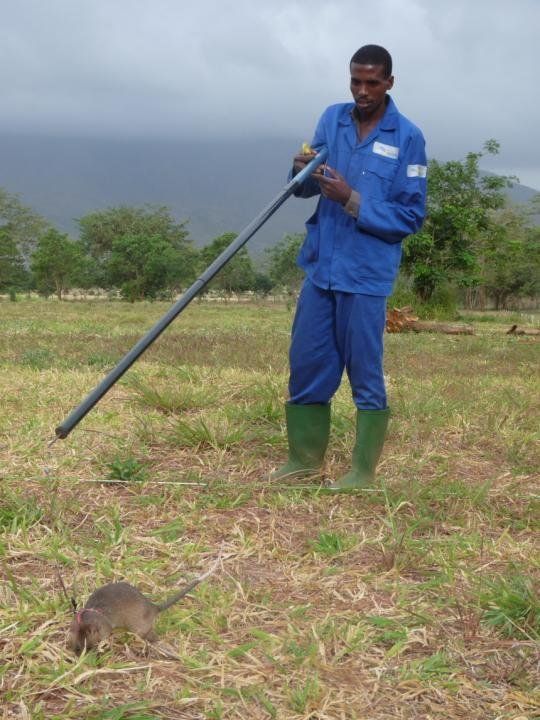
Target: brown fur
[120,605]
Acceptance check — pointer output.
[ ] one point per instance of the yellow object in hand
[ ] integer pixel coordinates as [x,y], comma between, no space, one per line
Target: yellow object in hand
[307,149]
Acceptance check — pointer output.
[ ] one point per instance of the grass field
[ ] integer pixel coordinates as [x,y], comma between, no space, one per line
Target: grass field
[416,599]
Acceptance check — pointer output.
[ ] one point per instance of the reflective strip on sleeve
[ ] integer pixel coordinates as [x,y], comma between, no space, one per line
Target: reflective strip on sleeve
[416,171]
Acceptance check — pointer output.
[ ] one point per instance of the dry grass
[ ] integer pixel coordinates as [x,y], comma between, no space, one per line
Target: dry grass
[417,599]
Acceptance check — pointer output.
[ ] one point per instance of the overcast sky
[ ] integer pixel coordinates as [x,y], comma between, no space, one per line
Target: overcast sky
[465,70]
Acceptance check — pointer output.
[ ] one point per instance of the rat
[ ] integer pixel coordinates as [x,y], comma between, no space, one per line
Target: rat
[121,605]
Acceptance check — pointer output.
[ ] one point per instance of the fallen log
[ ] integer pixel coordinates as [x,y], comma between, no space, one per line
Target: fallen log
[402,320]
[517,330]
[449,329]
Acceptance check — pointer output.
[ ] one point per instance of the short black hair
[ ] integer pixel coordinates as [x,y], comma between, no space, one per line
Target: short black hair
[374,55]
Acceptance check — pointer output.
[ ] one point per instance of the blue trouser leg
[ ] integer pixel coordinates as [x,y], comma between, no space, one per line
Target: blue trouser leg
[332,331]
[361,320]
[316,365]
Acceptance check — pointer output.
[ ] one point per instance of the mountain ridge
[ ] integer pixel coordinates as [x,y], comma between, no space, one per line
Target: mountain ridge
[216,186]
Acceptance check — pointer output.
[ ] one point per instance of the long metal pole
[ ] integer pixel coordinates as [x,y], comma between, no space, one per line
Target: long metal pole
[76,415]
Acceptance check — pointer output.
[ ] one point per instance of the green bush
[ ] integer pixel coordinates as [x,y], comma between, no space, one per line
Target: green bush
[442,305]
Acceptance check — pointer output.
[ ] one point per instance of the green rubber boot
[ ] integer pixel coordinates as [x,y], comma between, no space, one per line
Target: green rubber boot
[370,433]
[308,428]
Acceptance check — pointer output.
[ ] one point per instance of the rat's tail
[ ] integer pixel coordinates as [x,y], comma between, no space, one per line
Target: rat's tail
[189,587]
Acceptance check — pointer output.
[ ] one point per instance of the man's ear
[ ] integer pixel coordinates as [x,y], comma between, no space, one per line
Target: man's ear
[390,82]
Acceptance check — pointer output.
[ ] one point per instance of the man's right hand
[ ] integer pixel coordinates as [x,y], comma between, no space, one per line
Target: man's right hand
[303,158]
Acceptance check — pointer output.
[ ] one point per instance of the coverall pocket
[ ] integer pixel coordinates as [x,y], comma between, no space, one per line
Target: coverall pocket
[379,174]
[309,252]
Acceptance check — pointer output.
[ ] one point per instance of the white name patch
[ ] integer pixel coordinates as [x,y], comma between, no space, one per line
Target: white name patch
[416,171]
[389,151]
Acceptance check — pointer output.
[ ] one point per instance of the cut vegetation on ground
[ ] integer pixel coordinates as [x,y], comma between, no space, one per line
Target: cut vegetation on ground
[416,599]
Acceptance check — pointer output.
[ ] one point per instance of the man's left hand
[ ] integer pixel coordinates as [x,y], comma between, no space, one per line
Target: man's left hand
[333,185]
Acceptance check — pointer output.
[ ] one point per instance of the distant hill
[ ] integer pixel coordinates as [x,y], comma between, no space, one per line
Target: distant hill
[218,187]
[520,195]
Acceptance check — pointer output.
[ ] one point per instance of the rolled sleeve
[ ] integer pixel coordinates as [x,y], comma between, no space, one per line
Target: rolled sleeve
[352,206]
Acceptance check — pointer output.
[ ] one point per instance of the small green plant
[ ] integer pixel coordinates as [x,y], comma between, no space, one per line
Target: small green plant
[300,652]
[268,706]
[170,531]
[266,412]
[17,514]
[330,543]
[216,712]
[435,668]
[130,711]
[223,499]
[512,606]
[391,632]
[199,434]
[172,399]
[38,359]
[127,469]
[100,360]
[305,695]
[111,527]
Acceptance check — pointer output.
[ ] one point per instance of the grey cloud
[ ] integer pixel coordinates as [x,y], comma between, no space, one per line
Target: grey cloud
[464,71]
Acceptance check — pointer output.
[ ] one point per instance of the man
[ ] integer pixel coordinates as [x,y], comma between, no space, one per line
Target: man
[372,192]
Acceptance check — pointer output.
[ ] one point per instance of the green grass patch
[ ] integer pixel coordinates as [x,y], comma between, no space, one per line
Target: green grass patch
[415,595]
[511,606]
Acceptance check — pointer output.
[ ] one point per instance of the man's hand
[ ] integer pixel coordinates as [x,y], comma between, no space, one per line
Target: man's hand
[305,156]
[333,185]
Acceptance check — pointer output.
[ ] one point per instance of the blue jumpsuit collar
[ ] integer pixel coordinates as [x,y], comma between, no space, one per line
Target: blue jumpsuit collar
[389,121]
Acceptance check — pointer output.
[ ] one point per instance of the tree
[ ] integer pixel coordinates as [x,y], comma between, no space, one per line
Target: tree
[459,202]
[90,273]
[144,266]
[22,224]
[283,270]
[56,263]
[263,284]
[99,231]
[510,257]
[238,274]
[13,274]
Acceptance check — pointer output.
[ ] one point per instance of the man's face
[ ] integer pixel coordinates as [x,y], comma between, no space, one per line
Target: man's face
[368,88]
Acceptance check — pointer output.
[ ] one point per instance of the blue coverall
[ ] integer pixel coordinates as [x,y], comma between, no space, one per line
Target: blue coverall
[351,263]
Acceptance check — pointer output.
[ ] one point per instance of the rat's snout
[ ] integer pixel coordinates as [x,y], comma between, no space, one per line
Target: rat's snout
[77,639]
[75,644]
[78,644]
